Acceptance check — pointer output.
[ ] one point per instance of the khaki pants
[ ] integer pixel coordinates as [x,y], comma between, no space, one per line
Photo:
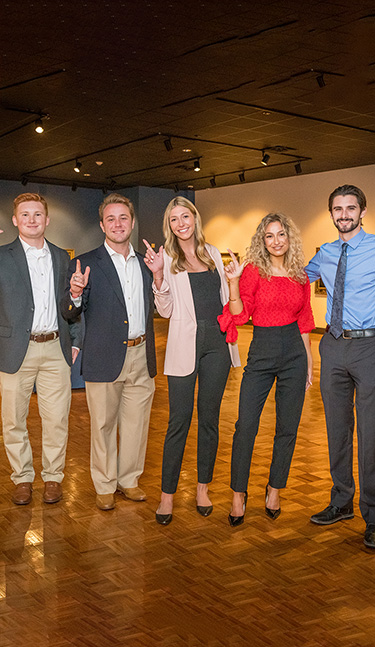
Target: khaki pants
[45,365]
[126,404]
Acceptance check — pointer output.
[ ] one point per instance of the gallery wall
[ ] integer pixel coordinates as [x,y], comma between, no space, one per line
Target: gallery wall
[230,215]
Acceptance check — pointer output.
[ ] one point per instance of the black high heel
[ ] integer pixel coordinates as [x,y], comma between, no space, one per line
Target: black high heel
[205,510]
[272,514]
[236,521]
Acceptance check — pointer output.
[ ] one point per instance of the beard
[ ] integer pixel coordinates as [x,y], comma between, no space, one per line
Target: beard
[349,224]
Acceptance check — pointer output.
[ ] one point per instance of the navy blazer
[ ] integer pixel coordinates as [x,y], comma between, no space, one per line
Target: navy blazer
[106,318]
[17,305]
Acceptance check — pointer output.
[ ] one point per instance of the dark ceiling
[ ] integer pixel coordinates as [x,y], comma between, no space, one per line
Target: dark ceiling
[218,81]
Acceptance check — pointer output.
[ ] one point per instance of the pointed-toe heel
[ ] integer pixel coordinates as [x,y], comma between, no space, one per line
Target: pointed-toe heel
[205,510]
[272,514]
[237,521]
[163,519]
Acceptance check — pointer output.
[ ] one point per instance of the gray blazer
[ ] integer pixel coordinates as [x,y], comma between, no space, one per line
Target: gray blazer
[17,305]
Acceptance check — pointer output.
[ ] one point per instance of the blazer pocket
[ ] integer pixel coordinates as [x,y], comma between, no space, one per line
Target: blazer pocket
[5,331]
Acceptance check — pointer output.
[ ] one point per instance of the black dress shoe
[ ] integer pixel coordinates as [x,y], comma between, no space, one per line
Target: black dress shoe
[163,519]
[272,514]
[331,514]
[236,521]
[369,538]
[205,510]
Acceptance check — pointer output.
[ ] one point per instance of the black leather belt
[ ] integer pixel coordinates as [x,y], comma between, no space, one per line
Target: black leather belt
[136,341]
[356,334]
[48,337]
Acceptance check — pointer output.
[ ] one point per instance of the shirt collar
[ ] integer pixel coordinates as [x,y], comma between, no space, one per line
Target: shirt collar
[27,248]
[354,242]
[112,252]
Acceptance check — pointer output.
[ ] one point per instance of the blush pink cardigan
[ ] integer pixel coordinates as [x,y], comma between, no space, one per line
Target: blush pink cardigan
[174,301]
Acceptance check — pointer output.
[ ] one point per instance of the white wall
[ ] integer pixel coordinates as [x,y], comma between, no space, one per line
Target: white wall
[230,215]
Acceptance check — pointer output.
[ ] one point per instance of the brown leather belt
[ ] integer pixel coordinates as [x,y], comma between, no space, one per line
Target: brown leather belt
[136,341]
[48,337]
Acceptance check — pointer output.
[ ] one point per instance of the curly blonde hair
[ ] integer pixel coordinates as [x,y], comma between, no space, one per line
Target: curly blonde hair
[172,246]
[258,255]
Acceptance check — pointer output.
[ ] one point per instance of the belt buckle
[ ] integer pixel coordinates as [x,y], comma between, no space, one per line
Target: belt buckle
[344,336]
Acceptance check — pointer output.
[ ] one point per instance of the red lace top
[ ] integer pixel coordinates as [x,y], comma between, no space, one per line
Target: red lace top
[275,302]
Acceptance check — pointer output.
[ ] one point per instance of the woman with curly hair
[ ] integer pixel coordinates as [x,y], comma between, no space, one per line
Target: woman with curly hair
[190,289]
[272,288]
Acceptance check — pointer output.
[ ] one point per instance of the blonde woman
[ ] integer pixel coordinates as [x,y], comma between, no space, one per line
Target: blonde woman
[272,288]
[190,289]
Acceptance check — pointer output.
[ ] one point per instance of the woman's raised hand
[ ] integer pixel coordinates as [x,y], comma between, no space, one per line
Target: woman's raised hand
[154,260]
[234,269]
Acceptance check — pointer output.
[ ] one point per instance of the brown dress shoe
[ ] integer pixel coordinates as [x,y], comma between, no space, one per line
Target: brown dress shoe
[105,501]
[132,493]
[52,492]
[22,493]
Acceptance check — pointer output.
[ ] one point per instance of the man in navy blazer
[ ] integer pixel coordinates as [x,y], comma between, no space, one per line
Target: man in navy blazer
[35,346]
[112,286]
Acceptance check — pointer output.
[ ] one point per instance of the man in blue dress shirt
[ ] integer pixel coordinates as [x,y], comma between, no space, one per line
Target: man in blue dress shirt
[348,357]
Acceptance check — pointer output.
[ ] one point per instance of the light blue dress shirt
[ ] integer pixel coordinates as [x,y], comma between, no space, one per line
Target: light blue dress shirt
[359,297]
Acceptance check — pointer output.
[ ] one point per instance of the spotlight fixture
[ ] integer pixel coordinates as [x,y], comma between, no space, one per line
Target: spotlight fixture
[98,163]
[186,150]
[112,185]
[213,182]
[104,190]
[265,158]
[175,188]
[197,166]
[320,80]
[74,187]
[24,180]
[168,144]
[298,168]
[241,177]
[77,167]
[38,126]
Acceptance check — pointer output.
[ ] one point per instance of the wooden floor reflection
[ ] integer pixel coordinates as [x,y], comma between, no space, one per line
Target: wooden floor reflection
[73,575]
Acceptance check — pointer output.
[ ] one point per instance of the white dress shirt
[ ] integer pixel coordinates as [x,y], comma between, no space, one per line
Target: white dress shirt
[40,266]
[130,275]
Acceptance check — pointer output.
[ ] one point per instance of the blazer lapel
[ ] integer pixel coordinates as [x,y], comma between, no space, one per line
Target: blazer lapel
[56,268]
[146,284]
[19,257]
[108,268]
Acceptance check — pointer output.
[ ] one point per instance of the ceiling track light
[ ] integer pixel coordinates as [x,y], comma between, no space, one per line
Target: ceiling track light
[112,185]
[38,126]
[241,177]
[265,158]
[213,182]
[24,180]
[77,167]
[197,166]
[168,144]
[320,80]
[298,168]
[74,187]
[175,188]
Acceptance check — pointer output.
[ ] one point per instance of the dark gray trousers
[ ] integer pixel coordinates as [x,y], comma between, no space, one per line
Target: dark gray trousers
[348,368]
[211,368]
[276,352]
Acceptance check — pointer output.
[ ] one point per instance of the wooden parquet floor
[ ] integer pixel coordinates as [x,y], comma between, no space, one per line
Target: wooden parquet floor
[71,575]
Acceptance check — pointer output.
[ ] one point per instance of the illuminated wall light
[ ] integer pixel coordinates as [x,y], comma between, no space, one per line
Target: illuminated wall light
[78,166]
[39,126]
[186,150]
[197,166]
[265,158]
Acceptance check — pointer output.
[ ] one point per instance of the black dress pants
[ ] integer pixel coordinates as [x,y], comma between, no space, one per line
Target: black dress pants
[211,368]
[276,352]
[348,368]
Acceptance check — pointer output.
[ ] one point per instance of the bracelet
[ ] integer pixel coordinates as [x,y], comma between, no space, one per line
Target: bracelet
[238,299]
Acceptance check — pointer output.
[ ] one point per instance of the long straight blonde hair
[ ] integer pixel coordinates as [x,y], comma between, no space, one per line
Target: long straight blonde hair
[258,255]
[172,245]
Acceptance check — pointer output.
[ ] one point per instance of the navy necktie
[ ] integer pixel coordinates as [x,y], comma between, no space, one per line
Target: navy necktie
[338,294]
